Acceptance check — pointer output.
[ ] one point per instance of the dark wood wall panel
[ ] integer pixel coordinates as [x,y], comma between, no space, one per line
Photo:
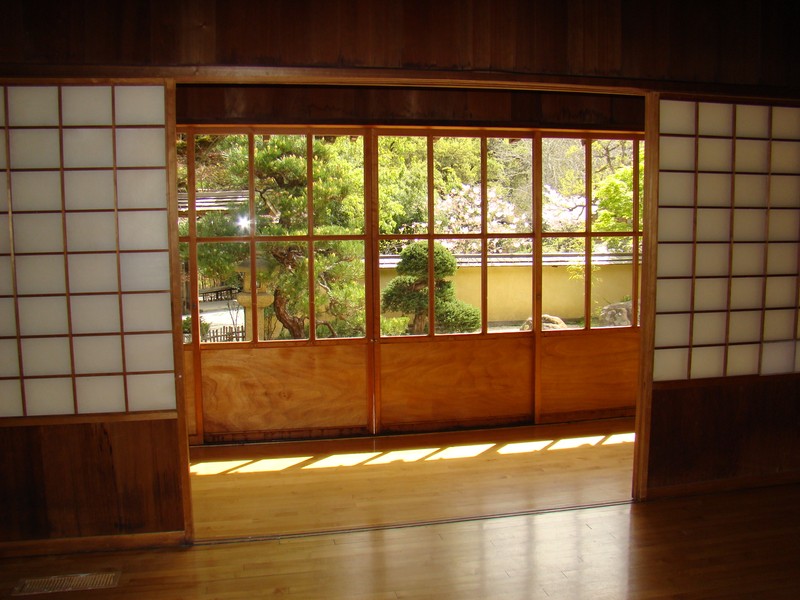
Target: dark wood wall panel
[738,431]
[406,106]
[90,479]
[676,44]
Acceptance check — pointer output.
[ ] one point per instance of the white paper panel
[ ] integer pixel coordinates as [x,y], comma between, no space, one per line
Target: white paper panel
[141,148]
[38,233]
[93,273]
[10,395]
[743,360]
[671,364]
[40,274]
[714,155]
[675,225]
[715,119]
[100,394]
[749,225]
[91,231]
[713,225]
[95,314]
[5,238]
[746,292]
[786,157]
[3,157]
[709,328]
[674,260]
[748,259]
[2,106]
[8,319]
[9,358]
[778,357]
[6,283]
[151,392]
[52,396]
[142,188]
[36,191]
[34,149]
[713,189]
[148,352]
[779,324]
[673,295]
[711,294]
[89,190]
[781,292]
[786,122]
[752,121]
[44,315]
[98,354]
[745,327]
[752,156]
[784,225]
[145,271]
[672,330]
[86,105]
[712,260]
[785,191]
[139,105]
[676,189]
[147,312]
[143,230]
[676,117]
[676,154]
[86,148]
[751,190]
[46,356]
[32,106]
[708,362]
[782,259]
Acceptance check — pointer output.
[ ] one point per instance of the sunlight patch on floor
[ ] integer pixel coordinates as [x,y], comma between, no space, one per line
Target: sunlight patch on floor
[522,447]
[402,456]
[342,460]
[460,452]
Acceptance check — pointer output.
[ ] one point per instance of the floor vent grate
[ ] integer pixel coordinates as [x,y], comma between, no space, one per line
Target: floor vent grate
[66,583]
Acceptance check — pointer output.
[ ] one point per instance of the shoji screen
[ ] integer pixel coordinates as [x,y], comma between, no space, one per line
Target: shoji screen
[728,238]
[85,309]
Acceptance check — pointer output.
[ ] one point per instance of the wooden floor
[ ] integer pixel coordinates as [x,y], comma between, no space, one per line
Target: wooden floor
[736,545]
[258,491]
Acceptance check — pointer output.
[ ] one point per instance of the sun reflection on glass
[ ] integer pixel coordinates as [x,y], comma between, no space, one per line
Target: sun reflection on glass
[521,447]
[342,460]
[461,452]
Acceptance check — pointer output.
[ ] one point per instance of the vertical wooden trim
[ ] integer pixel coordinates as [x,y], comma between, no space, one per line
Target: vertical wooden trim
[431,230]
[251,233]
[587,233]
[484,235]
[175,292]
[644,398]
[372,291]
[637,235]
[197,363]
[312,277]
[536,276]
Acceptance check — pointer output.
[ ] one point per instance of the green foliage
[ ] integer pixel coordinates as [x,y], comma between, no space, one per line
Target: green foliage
[408,292]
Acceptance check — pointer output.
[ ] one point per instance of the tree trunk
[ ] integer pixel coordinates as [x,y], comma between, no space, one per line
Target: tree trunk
[295,325]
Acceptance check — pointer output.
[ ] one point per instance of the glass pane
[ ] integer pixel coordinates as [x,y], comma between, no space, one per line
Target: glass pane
[339,185]
[404,289]
[223,274]
[457,266]
[402,185]
[283,312]
[564,184]
[340,299]
[613,185]
[221,185]
[457,185]
[186,293]
[612,282]
[281,184]
[563,277]
[509,188]
[509,295]
[183,184]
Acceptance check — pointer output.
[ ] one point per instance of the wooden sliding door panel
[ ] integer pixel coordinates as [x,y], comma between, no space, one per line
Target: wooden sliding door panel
[456,381]
[588,372]
[288,388]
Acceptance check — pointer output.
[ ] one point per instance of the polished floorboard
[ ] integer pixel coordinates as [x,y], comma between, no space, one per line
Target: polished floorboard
[293,488]
[734,545]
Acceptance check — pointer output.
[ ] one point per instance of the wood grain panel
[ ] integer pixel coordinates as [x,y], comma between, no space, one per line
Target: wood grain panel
[456,381]
[722,433]
[593,371]
[286,388]
[189,391]
[90,479]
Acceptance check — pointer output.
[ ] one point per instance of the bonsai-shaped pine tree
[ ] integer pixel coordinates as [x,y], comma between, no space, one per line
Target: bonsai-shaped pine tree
[408,292]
